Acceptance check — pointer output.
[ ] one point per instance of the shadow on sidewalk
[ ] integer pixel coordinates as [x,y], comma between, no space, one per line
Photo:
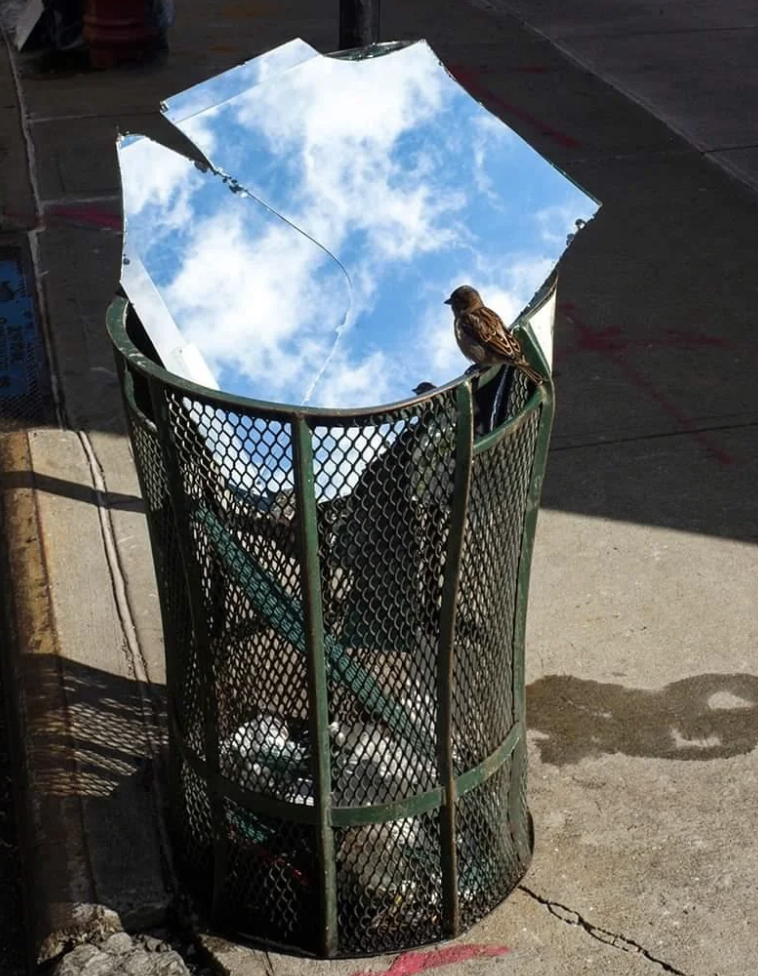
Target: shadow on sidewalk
[710,716]
[94,749]
[12,480]
[106,720]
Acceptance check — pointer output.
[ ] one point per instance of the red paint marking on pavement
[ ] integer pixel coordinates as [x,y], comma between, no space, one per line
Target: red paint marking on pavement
[17,219]
[606,343]
[679,339]
[87,215]
[603,341]
[466,76]
[613,340]
[411,963]
[68,214]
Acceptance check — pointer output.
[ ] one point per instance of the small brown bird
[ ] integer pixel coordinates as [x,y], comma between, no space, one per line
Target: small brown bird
[481,335]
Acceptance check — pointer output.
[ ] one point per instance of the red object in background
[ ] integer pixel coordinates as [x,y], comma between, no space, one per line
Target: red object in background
[117,31]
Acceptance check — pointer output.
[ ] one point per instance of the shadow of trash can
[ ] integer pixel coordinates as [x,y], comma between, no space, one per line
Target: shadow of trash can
[345,652]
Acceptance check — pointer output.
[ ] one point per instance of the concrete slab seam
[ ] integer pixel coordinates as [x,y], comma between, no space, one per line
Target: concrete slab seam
[613,939]
[662,435]
[732,148]
[42,119]
[597,340]
[135,657]
[672,30]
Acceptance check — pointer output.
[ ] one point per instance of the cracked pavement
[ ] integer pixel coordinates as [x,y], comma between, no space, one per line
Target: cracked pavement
[613,939]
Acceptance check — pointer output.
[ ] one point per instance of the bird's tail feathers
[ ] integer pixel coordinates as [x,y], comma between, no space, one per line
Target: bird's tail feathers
[531,373]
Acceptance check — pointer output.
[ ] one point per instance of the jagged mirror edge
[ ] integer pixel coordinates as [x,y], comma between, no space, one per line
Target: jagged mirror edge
[204,129]
[243,76]
[157,180]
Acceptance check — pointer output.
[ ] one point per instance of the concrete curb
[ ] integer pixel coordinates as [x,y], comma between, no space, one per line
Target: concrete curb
[58,901]
[80,822]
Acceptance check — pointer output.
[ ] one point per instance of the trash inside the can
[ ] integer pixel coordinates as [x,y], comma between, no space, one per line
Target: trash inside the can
[369,765]
[372,767]
[377,856]
[369,768]
[262,757]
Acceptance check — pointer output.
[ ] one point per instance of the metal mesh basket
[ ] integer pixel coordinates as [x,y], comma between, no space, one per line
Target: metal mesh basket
[344,601]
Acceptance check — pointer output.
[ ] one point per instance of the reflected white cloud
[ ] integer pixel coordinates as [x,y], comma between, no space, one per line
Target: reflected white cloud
[159,182]
[260,300]
[271,281]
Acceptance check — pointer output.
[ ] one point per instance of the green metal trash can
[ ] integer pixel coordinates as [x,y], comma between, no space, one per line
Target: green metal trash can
[344,649]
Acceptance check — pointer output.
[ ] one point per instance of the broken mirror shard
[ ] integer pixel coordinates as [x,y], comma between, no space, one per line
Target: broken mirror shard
[237,80]
[346,199]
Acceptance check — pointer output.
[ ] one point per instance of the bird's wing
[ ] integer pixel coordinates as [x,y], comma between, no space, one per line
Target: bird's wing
[486,328]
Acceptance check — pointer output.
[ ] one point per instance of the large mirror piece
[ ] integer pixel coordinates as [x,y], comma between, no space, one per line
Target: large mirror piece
[346,200]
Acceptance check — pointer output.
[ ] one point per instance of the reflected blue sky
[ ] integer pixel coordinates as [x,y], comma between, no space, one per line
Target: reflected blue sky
[216,257]
[409,183]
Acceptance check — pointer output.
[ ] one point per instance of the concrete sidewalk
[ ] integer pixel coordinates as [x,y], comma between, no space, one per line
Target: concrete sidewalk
[692,64]
[642,690]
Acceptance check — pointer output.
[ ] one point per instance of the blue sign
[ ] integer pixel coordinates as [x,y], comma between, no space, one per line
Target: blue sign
[18,333]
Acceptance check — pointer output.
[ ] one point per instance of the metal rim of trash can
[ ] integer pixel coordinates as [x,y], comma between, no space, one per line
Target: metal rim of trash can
[450,787]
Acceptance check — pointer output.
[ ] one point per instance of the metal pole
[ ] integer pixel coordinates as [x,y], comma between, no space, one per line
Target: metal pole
[359,23]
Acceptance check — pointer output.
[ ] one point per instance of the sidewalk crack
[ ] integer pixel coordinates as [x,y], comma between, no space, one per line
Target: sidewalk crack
[570,917]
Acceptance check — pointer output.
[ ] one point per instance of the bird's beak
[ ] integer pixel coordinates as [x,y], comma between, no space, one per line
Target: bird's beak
[448,301]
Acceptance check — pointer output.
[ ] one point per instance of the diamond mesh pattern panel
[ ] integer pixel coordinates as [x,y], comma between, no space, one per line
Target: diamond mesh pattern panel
[271,884]
[183,688]
[382,551]
[258,672]
[521,388]
[190,821]
[488,864]
[389,884]
[483,679]
[224,519]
